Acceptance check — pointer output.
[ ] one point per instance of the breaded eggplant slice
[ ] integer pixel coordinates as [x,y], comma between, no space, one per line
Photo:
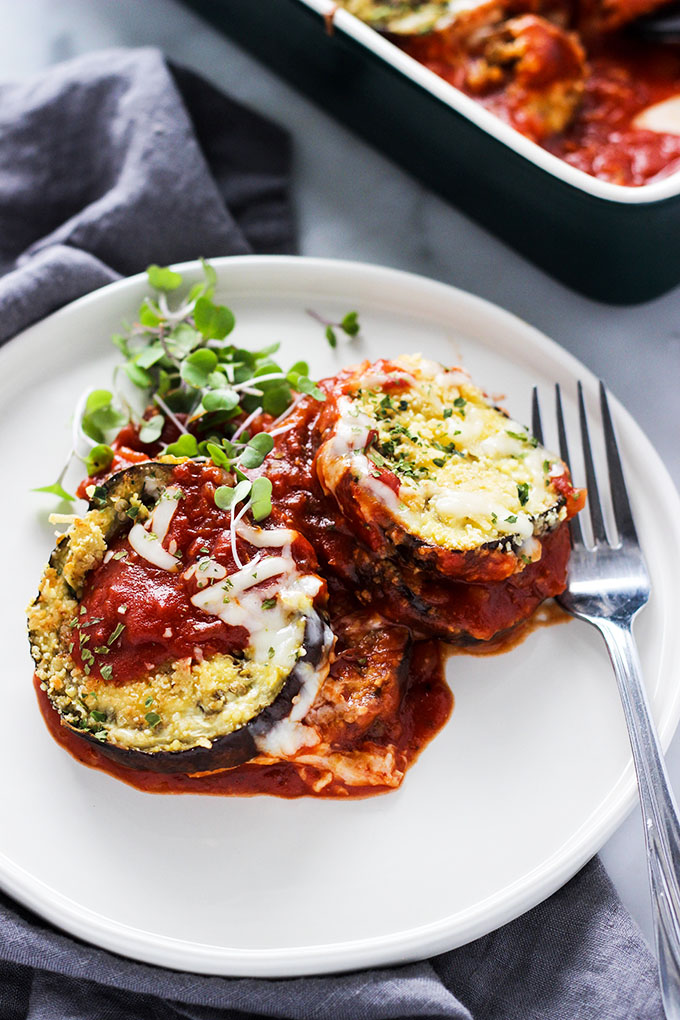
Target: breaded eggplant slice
[430,473]
[170,644]
[465,612]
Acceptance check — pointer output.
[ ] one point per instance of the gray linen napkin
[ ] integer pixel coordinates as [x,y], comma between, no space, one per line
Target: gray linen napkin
[109,163]
[115,160]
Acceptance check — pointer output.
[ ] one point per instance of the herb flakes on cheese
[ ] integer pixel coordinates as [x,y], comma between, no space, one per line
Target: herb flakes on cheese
[468,475]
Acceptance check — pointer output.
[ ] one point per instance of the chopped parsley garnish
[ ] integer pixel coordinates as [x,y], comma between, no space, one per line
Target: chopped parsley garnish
[115,633]
[523,493]
[106,672]
[152,719]
[512,519]
[448,411]
[269,603]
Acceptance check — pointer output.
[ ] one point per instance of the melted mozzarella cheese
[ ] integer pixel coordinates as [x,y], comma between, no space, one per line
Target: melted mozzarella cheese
[261,538]
[662,118]
[147,539]
[468,474]
[147,545]
[276,631]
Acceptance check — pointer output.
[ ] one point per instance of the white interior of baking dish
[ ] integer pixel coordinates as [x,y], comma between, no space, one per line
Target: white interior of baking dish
[387,51]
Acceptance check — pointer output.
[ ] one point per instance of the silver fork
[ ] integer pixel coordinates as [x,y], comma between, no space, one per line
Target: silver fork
[608,584]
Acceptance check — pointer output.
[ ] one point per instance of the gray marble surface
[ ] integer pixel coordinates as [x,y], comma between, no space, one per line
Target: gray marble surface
[352,203]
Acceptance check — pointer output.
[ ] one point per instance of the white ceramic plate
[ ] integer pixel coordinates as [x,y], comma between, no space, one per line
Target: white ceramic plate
[527,780]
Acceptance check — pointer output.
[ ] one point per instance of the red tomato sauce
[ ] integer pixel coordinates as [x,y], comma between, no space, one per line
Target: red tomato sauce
[136,617]
[624,76]
[157,601]
[426,706]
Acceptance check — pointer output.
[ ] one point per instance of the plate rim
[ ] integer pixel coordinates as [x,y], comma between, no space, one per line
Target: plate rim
[398,947]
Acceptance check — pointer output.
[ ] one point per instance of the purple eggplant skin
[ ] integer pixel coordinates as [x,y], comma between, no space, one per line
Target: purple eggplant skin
[234,748]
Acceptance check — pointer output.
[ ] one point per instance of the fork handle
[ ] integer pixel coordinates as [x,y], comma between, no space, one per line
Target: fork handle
[659,810]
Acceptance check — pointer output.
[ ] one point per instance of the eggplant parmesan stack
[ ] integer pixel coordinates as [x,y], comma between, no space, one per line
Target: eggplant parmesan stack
[172,641]
[458,511]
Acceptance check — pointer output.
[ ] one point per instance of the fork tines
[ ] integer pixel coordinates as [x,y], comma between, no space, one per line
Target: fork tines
[621,505]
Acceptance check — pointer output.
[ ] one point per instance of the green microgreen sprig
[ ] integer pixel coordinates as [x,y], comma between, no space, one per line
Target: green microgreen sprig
[349,325]
[179,361]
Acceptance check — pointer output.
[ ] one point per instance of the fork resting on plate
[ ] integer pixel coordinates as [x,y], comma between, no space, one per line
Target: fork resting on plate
[607,585]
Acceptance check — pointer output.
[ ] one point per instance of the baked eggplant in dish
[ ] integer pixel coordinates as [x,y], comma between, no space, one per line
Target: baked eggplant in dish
[566,75]
[152,637]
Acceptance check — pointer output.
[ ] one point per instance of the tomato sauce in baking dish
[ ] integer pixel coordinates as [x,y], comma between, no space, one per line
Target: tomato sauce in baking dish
[570,76]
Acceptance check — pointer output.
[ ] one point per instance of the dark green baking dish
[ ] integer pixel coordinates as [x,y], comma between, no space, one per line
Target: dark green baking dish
[616,244]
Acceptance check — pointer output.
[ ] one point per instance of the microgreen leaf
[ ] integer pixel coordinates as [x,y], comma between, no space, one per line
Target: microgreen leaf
[276,398]
[99,459]
[121,343]
[224,497]
[220,400]
[139,376]
[149,314]
[56,490]
[185,446]
[213,321]
[270,349]
[164,383]
[242,490]
[218,380]
[305,385]
[151,428]
[261,498]
[162,278]
[350,324]
[197,366]
[227,497]
[331,337]
[217,455]
[97,399]
[182,340]
[149,356]
[100,416]
[256,450]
